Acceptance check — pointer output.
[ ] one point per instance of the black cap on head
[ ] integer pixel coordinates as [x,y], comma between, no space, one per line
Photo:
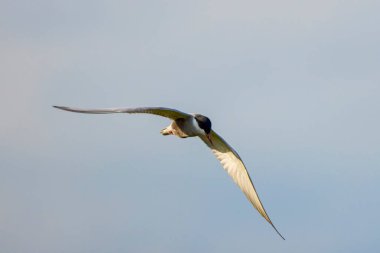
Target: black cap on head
[203,122]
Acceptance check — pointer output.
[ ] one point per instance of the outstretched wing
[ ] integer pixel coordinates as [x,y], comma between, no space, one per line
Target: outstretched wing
[161,111]
[235,167]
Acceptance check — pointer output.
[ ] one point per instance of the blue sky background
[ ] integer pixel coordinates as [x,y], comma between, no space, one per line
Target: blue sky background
[294,86]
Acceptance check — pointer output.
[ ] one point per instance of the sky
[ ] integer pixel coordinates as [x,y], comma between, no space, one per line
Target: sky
[293,86]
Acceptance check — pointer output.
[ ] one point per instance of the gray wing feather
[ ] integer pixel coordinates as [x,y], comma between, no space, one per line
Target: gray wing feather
[160,111]
[235,167]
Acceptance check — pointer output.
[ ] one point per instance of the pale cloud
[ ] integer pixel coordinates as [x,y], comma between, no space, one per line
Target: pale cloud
[294,12]
[25,71]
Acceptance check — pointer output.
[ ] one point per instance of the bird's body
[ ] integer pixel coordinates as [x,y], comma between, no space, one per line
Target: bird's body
[186,125]
[183,128]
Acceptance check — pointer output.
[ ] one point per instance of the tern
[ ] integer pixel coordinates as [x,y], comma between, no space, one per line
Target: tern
[186,125]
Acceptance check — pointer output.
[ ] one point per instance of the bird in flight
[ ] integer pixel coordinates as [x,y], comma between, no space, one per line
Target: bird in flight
[196,125]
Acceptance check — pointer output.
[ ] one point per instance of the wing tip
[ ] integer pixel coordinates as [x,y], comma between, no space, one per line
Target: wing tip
[283,238]
[59,107]
[69,109]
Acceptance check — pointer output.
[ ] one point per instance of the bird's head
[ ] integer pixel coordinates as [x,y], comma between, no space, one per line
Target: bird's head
[204,123]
